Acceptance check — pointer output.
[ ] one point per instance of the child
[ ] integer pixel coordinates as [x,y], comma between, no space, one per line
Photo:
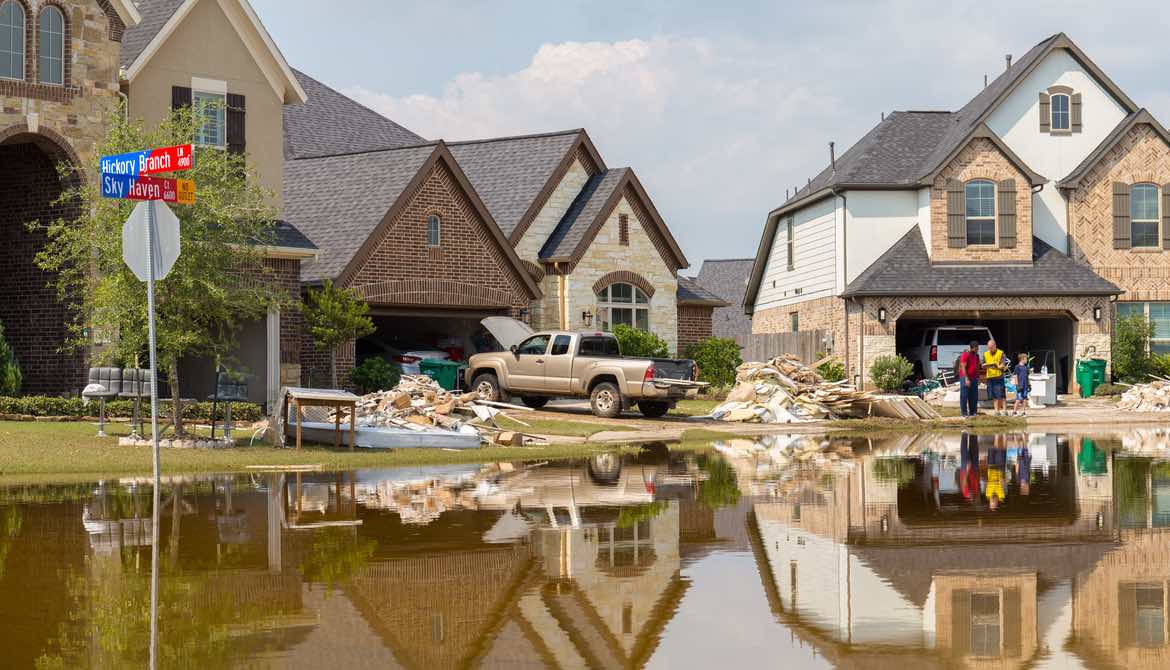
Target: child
[1022,388]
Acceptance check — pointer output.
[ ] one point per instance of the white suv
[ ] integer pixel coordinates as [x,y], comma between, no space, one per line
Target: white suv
[941,345]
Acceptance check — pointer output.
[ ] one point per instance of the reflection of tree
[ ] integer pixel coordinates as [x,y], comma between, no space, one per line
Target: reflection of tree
[720,488]
[10,522]
[635,514]
[895,469]
[1130,493]
[336,555]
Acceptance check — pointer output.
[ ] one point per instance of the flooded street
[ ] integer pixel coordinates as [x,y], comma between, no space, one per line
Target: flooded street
[915,551]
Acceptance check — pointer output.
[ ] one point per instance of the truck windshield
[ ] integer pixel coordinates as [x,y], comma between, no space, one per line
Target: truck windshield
[599,346]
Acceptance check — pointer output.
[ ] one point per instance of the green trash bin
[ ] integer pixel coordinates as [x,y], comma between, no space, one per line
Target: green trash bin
[1090,375]
[444,372]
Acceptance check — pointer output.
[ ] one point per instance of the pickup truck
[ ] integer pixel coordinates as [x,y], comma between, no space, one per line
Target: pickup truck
[563,364]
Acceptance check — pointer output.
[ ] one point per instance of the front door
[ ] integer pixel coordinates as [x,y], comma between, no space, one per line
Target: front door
[526,371]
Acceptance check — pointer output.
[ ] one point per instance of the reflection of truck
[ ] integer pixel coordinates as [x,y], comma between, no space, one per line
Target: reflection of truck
[563,364]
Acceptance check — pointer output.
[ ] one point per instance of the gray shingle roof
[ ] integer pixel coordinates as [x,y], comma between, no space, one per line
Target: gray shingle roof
[727,278]
[691,292]
[588,205]
[509,173]
[287,235]
[905,269]
[155,14]
[337,201]
[329,123]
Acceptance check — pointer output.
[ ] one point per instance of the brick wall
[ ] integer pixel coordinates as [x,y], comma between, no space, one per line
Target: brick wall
[981,159]
[827,314]
[1140,156]
[694,325]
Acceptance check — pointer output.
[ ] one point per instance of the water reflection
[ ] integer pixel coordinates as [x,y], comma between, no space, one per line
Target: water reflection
[936,550]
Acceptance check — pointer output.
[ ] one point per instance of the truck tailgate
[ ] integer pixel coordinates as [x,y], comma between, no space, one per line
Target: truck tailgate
[670,368]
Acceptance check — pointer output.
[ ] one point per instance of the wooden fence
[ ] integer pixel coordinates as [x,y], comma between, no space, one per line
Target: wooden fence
[807,345]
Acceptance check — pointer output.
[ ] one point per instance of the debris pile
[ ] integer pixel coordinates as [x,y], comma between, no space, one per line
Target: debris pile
[419,403]
[784,390]
[1152,396]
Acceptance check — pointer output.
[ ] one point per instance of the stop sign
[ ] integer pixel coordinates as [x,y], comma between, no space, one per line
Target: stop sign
[166,240]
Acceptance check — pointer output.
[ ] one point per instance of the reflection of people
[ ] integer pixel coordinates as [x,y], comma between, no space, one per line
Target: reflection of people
[993,370]
[996,470]
[1024,470]
[969,466]
[969,380]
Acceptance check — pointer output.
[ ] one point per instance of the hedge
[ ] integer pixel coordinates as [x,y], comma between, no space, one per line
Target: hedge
[52,406]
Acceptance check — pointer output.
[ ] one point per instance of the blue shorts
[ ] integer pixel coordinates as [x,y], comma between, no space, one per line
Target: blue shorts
[995,388]
[1022,393]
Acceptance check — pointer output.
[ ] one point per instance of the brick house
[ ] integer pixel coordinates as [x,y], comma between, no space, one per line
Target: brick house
[57,88]
[1041,209]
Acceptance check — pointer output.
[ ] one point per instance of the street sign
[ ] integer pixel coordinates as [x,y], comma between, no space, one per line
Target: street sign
[166,240]
[129,187]
[148,161]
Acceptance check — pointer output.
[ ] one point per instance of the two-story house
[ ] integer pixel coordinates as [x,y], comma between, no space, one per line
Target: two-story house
[1041,209]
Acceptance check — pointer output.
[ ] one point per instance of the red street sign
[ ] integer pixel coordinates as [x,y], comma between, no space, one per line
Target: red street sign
[181,191]
[151,161]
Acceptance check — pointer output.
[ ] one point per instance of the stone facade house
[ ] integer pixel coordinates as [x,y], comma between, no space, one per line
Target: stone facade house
[1039,209]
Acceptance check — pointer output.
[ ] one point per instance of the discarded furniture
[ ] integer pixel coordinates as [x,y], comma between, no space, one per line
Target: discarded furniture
[229,388]
[300,398]
[103,383]
[135,385]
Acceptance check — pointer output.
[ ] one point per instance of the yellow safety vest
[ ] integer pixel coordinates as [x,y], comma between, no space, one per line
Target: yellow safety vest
[995,360]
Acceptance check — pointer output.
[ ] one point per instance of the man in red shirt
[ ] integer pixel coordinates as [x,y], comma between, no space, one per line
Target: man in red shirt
[969,370]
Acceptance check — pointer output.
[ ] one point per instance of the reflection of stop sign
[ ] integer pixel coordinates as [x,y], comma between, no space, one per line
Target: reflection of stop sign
[166,240]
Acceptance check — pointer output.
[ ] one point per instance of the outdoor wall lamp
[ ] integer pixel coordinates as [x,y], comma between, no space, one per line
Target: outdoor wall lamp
[881,314]
[587,318]
[524,314]
[1097,313]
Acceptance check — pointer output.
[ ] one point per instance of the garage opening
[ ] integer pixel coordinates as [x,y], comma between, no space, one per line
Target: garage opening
[405,338]
[1046,337]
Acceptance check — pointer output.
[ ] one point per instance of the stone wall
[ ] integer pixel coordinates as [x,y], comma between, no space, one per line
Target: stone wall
[1144,273]
[980,159]
[694,325]
[554,208]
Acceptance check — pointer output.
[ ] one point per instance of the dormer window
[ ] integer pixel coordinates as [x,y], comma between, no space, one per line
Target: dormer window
[1060,112]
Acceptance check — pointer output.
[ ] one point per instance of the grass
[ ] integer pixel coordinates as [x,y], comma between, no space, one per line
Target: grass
[559,427]
[699,407]
[37,450]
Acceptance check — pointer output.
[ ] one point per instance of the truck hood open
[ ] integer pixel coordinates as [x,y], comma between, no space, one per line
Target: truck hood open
[508,331]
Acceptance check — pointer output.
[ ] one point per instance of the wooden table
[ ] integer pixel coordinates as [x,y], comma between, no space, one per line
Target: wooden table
[338,400]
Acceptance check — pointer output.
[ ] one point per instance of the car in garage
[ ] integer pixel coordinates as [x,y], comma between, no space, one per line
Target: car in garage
[939,346]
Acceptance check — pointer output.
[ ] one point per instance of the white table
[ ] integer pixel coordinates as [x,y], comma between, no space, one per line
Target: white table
[1043,391]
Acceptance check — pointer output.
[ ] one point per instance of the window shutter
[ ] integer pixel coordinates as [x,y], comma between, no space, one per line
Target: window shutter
[180,97]
[1045,113]
[235,123]
[961,622]
[1121,239]
[1166,216]
[1007,214]
[1012,623]
[1075,112]
[956,215]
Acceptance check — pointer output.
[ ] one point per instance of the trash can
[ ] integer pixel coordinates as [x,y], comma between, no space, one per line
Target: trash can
[1090,375]
[444,372]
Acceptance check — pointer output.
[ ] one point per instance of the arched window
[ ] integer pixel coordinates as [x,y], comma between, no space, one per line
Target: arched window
[434,230]
[1144,215]
[623,304]
[51,46]
[980,196]
[11,40]
[1060,112]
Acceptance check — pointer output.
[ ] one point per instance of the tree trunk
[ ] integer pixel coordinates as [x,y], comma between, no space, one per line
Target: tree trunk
[176,405]
[333,367]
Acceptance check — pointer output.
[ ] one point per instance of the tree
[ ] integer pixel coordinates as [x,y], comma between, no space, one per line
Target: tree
[639,343]
[10,377]
[717,358]
[335,316]
[218,283]
[1131,344]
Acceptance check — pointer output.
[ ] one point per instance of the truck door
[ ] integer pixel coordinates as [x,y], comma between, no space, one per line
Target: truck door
[526,372]
[558,367]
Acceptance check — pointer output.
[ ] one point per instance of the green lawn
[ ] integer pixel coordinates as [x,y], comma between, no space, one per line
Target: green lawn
[560,427]
[43,449]
[700,407]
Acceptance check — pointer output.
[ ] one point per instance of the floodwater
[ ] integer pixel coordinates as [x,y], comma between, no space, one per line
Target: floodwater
[920,551]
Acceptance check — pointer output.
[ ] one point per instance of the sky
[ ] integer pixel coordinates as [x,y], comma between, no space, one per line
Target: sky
[718,107]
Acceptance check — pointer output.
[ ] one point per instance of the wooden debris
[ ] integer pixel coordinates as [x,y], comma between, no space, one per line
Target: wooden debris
[1153,396]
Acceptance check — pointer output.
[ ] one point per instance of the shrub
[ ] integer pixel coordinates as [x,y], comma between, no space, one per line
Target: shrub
[1131,342]
[374,374]
[10,377]
[831,370]
[893,469]
[717,358]
[1109,390]
[888,373]
[52,406]
[640,343]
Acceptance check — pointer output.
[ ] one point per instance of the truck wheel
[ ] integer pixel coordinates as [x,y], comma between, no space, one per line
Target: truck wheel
[653,410]
[534,401]
[487,386]
[606,400]
[605,469]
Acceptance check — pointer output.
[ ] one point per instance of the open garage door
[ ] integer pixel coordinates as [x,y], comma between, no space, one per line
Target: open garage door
[1046,337]
[400,336]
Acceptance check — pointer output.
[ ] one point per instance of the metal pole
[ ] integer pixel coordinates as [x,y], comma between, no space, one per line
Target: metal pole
[150,247]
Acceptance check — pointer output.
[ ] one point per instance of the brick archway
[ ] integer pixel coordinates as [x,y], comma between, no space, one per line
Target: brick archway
[434,293]
[36,322]
[625,277]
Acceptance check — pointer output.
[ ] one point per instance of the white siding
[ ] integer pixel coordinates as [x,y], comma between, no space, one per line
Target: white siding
[877,219]
[924,216]
[1017,121]
[816,262]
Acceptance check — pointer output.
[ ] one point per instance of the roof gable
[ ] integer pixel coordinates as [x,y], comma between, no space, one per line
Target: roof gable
[126,11]
[161,18]
[1074,178]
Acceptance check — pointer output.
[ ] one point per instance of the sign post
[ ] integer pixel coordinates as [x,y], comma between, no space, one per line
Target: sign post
[126,176]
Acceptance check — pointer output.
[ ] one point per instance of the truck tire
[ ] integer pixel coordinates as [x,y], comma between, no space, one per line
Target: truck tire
[653,410]
[487,386]
[605,469]
[606,400]
[534,401]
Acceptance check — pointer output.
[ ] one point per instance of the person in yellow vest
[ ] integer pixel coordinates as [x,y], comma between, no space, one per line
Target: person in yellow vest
[993,372]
